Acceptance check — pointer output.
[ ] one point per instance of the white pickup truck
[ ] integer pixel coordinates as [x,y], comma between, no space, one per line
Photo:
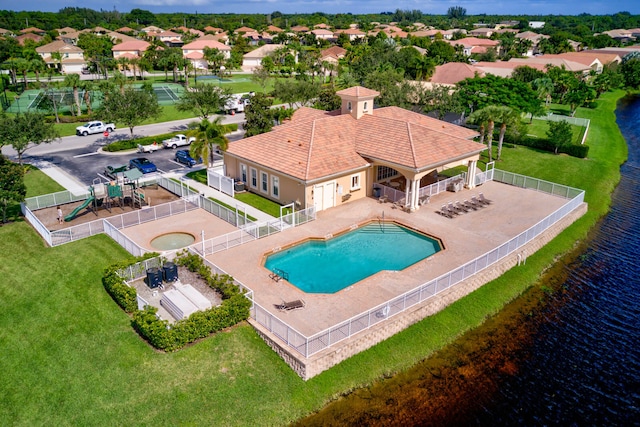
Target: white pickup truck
[237,102]
[177,141]
[94,127]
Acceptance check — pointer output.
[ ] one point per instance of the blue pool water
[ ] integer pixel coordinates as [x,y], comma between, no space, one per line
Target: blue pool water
[327,266]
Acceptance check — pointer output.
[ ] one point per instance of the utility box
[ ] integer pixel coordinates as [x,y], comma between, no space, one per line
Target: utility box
[238,186]
[154,277]
[170,271]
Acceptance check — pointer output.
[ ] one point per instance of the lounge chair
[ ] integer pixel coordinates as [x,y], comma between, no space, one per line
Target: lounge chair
[276,275]
[461,207]
[383,199]
[445,212]
[484,200]
[471,205]
[399,204]
[452,209]
[290,305]
[477,202]
[424,200]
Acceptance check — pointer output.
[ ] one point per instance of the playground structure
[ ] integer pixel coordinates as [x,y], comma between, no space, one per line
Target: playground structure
[110,195]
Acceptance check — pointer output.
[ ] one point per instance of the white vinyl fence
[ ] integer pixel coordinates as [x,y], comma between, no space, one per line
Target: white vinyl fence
[308,346]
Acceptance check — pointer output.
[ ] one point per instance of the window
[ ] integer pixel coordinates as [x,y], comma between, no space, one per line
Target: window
[349,105]
[264,179]
[275,186]
[385,172]
[254,178]
[365,106]
[355,182]
[243,172]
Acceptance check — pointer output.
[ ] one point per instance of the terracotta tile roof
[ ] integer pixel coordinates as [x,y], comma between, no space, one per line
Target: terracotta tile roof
[194,55]
[474,41]
[552,60]
[244,30]
[454,72]
[58,46]
[322,32]
[132,45]
[274,29]
[299,28]
[32,30]
[316,144]
[336,51]
[357,91]
[200,44]
[587,57]
[505,69]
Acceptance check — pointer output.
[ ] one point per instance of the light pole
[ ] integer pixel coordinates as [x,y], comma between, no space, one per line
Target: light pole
[222,68]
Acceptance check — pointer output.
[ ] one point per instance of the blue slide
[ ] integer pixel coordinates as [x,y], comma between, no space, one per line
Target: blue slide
[78,209]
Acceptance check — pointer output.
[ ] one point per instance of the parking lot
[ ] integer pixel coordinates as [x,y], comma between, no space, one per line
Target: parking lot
[88,163]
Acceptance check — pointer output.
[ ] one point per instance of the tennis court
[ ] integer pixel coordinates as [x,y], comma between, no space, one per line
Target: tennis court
[43,101]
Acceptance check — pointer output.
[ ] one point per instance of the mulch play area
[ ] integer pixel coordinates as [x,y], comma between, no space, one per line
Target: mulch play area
[156,195]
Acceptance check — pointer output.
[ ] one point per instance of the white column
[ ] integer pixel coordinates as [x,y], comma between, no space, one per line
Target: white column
[471,174]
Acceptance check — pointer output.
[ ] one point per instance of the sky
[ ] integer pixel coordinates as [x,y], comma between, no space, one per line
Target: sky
[437,7]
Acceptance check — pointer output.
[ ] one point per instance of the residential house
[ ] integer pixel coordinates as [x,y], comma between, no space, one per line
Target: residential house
[451,73]
[22,38]
[33,30]
[72,57]
[6,33]
[194,52]
[243,30]
[170,38]
[66,30]
[482,32]
[332,54]
[621,35]
[132,49]
[322,34]
[352,33]
[274,30]
[471,45]
[554,60]
[505,68]
[534,38]
[151,29]
[299,29]
[254,58]
[325,159]
[322,26]
[213,30]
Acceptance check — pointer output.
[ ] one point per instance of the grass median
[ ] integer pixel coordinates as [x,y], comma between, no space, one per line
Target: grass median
[71,357]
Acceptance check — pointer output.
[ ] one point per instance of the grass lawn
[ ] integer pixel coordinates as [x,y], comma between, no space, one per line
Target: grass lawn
[538,128]
[70,355]
[251,199]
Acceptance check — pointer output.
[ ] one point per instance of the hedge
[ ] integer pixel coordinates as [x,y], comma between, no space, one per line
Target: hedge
[170,337]
[129,144]
[579,151]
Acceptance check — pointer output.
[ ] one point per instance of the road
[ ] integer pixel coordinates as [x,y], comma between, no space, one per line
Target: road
[82,157]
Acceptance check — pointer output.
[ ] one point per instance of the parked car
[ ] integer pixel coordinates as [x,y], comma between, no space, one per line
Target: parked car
[177,141]
[142,164]
[94,127]
[149,148]
[183,156]
[112,171]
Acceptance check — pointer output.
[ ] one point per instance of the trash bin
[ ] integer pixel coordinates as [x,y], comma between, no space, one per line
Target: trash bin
[170,271]
[154,277]
[376,192]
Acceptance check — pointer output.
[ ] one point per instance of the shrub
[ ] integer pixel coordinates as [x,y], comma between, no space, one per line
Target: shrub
[129,144]
[159,333]
[579,151]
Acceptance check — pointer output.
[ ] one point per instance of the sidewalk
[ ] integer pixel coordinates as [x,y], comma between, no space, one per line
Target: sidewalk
[224,198]
[61,177]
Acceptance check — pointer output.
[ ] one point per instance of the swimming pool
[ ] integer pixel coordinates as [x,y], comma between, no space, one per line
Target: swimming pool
[330,265]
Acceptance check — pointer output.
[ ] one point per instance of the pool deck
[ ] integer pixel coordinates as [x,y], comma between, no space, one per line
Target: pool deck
[194,222]
[465,238]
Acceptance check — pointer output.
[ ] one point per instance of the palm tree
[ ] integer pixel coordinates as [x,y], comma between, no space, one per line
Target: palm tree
[214,58]
[544,87]
[73,81]
[487,115]
[508,117]
[22,66]
[209,134]
[87,87]
[37,65]
[119,80]
[57,60]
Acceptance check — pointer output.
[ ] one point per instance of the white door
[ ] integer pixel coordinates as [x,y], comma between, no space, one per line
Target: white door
[324,196]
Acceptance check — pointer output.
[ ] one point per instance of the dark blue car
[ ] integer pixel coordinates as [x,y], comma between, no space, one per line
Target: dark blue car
[143,165]
[183,156]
